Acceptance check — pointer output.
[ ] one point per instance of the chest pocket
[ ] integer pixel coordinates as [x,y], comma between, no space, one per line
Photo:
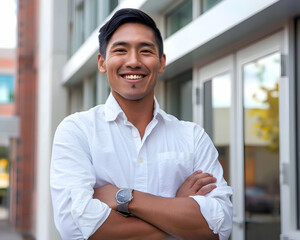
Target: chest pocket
[174,168]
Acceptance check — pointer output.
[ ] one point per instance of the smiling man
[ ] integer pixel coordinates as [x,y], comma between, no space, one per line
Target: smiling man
[128,170]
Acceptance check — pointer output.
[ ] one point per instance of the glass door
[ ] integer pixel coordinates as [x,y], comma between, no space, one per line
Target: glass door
[261,147]
[215,82]
[239,109]
[259,72]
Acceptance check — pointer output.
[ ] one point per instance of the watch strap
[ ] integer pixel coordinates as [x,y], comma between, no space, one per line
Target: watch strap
[122,208]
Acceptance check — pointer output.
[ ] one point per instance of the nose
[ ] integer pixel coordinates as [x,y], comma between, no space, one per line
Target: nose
[133,60]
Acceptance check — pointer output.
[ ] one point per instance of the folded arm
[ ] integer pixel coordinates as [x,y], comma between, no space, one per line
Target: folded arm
[180,216]
[117,226]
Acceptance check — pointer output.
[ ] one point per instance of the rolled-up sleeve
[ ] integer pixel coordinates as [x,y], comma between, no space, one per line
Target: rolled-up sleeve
[72,178]
[216,207]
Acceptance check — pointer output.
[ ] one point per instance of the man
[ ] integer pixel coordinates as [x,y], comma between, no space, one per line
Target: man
[128,170]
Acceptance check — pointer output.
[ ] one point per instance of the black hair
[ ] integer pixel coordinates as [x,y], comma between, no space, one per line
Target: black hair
[127,15]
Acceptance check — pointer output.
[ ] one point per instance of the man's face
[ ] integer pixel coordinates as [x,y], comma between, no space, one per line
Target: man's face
[132,62]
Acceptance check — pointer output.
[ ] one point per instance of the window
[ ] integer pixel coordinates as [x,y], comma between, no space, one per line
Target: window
[77,25]
[95,89]
[113,4]
[109,6]
[179,17]
[217,107]
[6,88]
[93,16]
[179,96]
[76,98]
[261,147]
[208,4]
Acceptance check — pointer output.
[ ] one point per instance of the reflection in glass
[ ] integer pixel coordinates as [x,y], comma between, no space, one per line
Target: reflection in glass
[217,92]
[180,17]
[261,139]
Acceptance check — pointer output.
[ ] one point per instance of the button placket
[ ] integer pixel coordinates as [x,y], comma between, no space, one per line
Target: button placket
[134,133]
[141,171]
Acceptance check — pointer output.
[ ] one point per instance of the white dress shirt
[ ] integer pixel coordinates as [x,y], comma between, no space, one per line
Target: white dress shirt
[101,146]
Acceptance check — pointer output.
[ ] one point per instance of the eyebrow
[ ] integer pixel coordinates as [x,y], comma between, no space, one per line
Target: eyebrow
[142,44]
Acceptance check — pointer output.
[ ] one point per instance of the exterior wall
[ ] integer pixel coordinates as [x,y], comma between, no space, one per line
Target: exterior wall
[52,107]
[23,164]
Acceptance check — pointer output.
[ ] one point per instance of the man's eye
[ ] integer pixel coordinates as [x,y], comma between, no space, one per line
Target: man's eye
[146,51]
[120,50]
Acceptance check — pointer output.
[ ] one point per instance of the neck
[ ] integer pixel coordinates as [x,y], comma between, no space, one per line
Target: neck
[138,112]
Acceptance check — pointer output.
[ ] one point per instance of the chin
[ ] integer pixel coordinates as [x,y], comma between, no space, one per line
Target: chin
[132,97]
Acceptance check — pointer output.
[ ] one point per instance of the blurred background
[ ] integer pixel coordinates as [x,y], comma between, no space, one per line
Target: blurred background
[232,67]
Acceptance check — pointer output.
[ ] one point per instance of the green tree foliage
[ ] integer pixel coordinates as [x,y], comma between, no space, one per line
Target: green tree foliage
[266,126]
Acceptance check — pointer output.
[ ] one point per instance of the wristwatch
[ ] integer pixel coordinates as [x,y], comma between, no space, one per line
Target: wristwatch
[123,197]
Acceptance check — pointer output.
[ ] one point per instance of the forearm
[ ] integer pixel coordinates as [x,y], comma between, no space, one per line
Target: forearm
[180,217]
[128,228]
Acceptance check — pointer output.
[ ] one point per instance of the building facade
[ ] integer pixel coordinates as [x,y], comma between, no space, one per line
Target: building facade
[8,124]
[22,145]
[231,67]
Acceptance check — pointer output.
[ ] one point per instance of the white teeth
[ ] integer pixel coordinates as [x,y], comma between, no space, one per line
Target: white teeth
[133,76]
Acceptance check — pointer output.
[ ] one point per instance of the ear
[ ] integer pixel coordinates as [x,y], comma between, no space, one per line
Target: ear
[162,64]
[101,64]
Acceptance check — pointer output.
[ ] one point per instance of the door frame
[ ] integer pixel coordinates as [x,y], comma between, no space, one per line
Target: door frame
[233,64]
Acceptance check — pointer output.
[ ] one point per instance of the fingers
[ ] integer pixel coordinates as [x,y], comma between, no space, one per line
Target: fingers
[203,179]
[193,178]
[205,190]
[198,183]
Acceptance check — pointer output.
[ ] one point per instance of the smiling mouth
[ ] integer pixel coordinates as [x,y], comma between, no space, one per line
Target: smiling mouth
[133,76]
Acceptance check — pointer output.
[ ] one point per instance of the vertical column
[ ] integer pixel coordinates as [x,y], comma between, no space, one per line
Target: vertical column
[23,177]
[52,106]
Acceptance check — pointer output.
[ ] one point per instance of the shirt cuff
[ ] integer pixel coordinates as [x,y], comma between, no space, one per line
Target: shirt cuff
[89,214]
[213,213]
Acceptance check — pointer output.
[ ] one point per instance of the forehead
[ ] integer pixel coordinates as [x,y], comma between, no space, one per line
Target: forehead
[133,32]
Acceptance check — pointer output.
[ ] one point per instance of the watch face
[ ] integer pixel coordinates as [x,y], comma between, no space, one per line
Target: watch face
[123,196]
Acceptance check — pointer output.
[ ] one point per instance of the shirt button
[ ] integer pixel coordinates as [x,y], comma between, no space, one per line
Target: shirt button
[141,160]
[74,212]
[134,134]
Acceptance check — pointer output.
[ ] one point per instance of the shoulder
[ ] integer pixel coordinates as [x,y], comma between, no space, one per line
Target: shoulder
[82,121]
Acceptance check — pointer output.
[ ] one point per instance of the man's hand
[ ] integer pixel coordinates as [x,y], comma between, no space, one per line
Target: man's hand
[107,195]
[196,183]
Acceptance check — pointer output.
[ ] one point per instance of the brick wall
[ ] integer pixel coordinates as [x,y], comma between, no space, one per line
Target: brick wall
[23,165]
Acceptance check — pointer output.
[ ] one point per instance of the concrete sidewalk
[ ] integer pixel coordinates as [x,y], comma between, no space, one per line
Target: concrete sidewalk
[6,233]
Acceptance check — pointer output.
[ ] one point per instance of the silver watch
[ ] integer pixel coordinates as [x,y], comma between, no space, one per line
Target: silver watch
[123,197]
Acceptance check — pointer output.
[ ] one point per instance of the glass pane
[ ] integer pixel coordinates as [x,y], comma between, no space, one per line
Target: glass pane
[208,4]
[95,89]
[217,103]
[76,98]
[261,131]
[78,34]
[113,4]
[179,96]
[180,17]
[6,88]
[93,15]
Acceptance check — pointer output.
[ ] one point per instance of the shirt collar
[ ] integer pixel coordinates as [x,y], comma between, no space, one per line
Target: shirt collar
[113,109]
